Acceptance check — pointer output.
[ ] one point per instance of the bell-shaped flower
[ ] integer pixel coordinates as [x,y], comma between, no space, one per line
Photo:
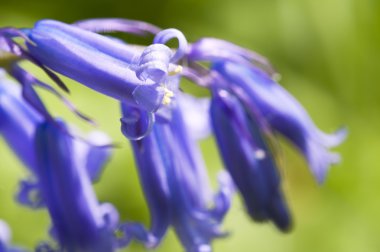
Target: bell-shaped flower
[104,64]
[284,114]
[18,123]
[79,221]
[172,174]
[248,158]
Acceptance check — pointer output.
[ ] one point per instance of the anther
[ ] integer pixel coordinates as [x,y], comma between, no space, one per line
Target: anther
[168,94]
[177,70]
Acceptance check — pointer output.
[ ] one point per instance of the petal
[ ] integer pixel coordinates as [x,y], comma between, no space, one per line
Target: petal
[136,124]
[129,231]
[94,151]
[171,173]
[117,25]
[98,154]
[152,176]
[18,122]
[164,36]
[191,159]
[100,43]
[195,115]
[212,49]
[222,200]
[154,63]
[193,224]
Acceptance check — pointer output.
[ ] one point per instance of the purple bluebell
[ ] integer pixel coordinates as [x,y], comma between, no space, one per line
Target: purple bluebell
[248,108]
[18,122]
[249,159]
[284,115]
[62,168]
[80,222]
[96,61]
[172,176]
[251,78]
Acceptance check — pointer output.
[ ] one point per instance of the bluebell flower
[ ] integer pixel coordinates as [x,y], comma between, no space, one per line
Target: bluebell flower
[62,168]
[248,108]
[80,223]
[284,115]
[172,176]
[249,159]
[101,63]
[18,125]
[251,77]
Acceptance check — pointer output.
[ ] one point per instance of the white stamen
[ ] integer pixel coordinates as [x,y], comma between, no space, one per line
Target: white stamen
[168,94]
[178,69]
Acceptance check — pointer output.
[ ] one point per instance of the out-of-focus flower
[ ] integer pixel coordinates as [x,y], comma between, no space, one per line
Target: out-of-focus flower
[248,158]
[18,123]
[279,111]
[172,175]
[62,168]
[80,223]
[247,107]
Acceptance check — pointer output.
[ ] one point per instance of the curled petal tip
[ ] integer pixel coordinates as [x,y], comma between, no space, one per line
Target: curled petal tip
[154,63]
[334,139]
[136,124]
[320,160]
[164,36]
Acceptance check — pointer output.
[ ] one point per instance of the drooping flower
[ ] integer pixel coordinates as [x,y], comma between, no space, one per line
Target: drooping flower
[101,63]
[250,76]
[172,176]
[247,106]
[62,168]
[18,123]
[284,115]
[248,158]
[80,222]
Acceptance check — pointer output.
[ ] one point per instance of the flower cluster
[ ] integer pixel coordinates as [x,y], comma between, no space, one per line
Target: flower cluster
[245,111]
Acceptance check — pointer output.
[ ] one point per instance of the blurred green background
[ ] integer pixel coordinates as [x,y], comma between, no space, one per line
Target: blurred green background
[327,52]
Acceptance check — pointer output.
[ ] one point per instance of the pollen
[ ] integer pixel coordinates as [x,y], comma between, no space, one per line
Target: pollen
[178,69]
[168,95]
